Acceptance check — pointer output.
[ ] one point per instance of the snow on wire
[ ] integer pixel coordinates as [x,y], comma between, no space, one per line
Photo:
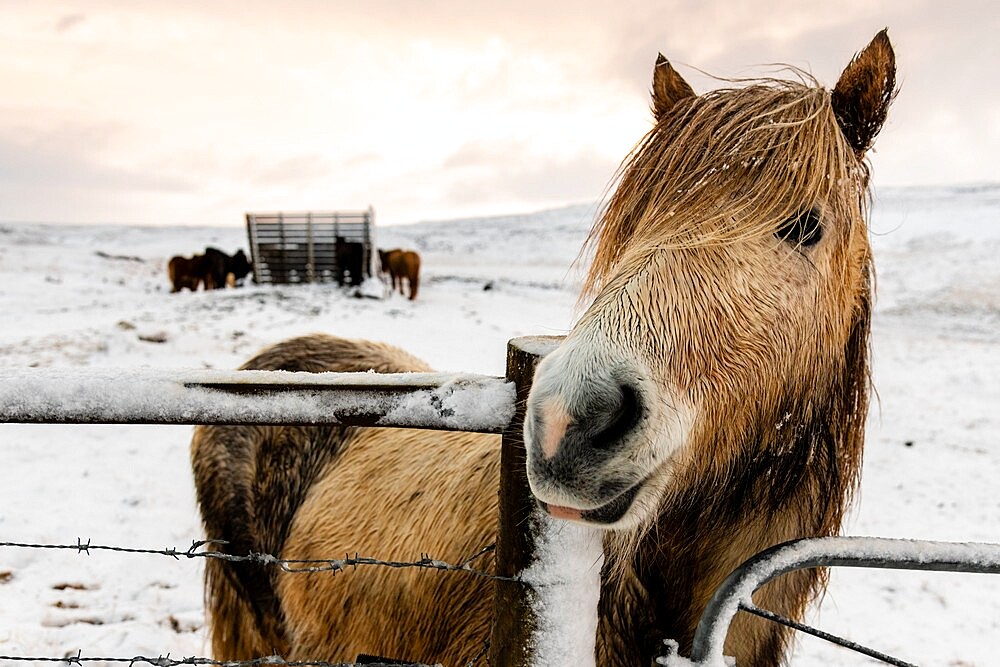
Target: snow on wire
[293,566]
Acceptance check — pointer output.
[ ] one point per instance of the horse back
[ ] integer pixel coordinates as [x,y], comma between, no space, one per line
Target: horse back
[251,482]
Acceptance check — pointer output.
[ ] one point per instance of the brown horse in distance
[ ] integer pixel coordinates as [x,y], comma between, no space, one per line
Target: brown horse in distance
[186,272]
[214,269]
[709,403]
[400,264]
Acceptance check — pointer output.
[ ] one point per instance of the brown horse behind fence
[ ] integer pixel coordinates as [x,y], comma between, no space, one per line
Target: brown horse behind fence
[400,264]
[709,403]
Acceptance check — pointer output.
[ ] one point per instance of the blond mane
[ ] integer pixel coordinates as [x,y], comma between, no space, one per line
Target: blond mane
[726,166]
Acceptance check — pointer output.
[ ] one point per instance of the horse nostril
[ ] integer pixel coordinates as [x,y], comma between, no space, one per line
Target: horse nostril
[619,419]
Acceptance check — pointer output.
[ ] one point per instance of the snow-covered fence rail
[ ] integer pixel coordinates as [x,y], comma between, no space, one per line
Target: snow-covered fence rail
[456,402]
[868,552]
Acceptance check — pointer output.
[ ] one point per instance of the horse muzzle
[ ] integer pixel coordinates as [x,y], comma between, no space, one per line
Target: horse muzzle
[579,438]
[598,432]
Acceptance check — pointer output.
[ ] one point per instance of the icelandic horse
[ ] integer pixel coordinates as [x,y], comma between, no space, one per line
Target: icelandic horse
[187,272]
[709,403]
[400,264]
[350,256]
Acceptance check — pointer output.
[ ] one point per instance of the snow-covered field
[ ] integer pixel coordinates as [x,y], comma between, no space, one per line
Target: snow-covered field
[78,296]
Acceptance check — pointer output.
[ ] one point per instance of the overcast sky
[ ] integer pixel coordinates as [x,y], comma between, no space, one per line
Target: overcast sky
[181,112]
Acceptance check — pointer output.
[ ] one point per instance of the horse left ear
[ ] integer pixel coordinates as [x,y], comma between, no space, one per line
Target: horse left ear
[862,95]
[668,87]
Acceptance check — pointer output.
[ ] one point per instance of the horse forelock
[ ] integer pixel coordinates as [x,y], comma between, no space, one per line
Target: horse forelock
[729,165]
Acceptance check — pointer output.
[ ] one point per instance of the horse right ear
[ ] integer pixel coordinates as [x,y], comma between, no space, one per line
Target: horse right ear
[668,87]
[862,95]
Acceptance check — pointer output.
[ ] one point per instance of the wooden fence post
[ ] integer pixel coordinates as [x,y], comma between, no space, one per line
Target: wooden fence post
[513,618]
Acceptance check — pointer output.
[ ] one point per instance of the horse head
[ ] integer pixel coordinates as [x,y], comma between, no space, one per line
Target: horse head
[731,291]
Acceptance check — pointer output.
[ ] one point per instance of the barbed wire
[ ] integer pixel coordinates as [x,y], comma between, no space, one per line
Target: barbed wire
[822,634]
[335,565]
[294,566]
[167,661]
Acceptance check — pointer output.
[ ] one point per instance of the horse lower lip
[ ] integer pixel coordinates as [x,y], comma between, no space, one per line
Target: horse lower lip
[560,512]
[614,510]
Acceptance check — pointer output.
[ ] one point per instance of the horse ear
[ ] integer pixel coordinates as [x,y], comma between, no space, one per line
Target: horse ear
[862,95]
[668,87]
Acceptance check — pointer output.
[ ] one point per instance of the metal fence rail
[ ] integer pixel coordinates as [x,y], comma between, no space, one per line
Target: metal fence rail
[288,248]
[868,552]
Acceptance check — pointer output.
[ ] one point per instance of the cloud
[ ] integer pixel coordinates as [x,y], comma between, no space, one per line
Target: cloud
[22,164]
[435,107]
[64,175]
[484,174]
[69,21]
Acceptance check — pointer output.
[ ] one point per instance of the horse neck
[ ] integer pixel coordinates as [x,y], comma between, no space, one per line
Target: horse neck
[702,534]
[788,482]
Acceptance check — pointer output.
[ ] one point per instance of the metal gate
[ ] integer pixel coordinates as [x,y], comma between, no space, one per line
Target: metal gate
[290,248]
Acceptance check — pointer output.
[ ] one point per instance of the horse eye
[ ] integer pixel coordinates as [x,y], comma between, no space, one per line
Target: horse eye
[803,229]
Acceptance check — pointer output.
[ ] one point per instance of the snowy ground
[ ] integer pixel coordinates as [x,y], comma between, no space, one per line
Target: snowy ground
[88,296]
